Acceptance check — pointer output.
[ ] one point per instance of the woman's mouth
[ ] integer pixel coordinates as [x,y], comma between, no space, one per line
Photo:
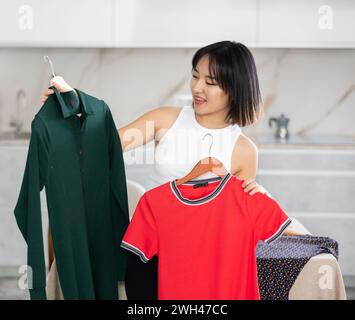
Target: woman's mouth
[198,101]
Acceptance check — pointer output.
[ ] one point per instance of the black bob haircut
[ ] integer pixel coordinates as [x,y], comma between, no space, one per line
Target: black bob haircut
[233,66]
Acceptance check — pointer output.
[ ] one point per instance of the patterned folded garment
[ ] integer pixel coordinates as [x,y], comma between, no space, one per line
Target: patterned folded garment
[280,262]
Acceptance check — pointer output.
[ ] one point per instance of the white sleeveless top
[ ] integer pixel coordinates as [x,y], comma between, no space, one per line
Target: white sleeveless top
[185,143]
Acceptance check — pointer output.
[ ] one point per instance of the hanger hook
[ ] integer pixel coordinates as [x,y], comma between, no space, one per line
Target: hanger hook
[49,61]
[211,142]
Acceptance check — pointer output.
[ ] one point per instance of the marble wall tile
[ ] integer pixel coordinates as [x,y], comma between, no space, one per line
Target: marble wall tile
[314,87]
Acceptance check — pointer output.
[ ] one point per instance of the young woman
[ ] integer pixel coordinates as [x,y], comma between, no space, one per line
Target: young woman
[226,96]
[225,90]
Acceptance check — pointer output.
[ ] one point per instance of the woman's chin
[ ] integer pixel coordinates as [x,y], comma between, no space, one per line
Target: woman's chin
[199,106]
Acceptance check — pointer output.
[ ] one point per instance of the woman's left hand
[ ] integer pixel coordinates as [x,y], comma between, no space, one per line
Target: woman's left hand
[251,186]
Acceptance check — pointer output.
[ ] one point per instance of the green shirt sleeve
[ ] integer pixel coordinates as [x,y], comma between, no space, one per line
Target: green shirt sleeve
[28,209]
[118,196]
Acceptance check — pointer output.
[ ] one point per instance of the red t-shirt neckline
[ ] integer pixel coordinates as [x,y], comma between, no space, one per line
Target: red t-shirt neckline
[178,190]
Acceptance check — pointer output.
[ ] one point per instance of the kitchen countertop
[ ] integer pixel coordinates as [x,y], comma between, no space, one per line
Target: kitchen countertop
[268,141]
[318,141]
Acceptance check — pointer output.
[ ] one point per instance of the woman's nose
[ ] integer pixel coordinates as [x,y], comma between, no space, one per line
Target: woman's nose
[198,87]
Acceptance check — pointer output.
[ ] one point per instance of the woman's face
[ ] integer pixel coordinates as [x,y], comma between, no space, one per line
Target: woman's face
[208,97]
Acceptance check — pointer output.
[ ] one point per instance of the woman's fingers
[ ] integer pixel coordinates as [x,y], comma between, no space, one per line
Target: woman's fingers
[45,95]
[60,84]
[250,186]
[255,190]
[247,182]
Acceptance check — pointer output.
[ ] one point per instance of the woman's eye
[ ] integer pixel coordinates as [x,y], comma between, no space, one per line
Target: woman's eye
[208,83]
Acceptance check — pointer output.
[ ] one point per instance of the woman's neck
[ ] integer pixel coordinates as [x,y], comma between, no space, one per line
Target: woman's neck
[214,120]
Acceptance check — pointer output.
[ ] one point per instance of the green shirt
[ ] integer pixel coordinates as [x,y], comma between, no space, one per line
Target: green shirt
[79,161]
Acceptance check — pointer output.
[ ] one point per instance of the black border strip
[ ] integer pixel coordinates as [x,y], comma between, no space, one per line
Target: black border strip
[203,199]
[135,250]
[279,232]
[203,180]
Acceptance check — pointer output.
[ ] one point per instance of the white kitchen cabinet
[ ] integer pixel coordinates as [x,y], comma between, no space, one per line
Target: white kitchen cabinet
[183,23]
[37,23]
[305,23]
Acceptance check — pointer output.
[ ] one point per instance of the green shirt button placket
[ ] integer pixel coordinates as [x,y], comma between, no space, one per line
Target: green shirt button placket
[80,147]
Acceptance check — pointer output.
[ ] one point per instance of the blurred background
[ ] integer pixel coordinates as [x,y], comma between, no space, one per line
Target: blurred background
[136,55]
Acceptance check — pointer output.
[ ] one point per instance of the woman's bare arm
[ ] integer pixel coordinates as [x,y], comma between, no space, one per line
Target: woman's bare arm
[245,158]
[151,125]
[139,131]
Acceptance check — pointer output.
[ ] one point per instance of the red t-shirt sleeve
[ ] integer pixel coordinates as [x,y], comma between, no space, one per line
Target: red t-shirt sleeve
[141,235]
[268,218]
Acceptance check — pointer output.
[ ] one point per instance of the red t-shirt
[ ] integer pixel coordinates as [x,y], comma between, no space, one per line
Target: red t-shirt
[205,237]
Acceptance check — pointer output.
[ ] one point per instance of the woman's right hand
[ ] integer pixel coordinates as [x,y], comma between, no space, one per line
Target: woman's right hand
[59,83]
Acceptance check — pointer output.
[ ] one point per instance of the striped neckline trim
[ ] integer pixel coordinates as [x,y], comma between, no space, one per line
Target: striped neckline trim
[204,199]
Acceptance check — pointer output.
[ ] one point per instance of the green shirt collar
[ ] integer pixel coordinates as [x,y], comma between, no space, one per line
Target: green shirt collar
[68,111]
[86,106]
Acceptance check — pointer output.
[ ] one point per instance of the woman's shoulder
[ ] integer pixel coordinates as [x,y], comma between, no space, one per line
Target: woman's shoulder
[246,143]
[169,110]
[245,155]
[166,116]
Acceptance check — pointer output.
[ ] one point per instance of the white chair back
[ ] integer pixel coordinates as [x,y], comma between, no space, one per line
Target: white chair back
[134,193]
